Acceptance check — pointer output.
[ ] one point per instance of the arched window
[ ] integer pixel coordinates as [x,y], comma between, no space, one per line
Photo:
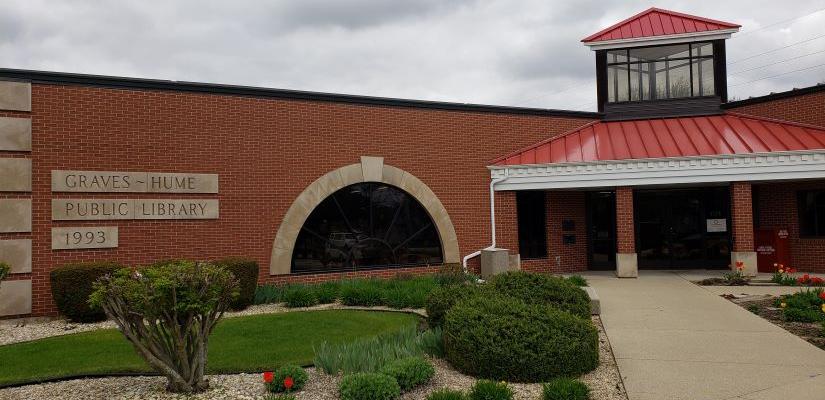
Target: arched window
[364,226]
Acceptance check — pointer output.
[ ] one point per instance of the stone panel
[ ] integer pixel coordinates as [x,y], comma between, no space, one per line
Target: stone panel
[372,168]
[92,209]
[15,215]
[176,209]
[494,262]
[15,175]
[15,134]
[18,254]
[132,182]
[15,96]
[86,237]
[15,297]
[627,265]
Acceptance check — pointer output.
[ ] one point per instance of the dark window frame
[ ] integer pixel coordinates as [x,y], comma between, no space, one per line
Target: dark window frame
[531,221]
[811,227]
[691,60]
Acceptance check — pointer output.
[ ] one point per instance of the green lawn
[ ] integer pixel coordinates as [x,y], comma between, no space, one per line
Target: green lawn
[243,344]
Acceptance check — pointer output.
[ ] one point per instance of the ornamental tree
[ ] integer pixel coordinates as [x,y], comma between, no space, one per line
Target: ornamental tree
[167,311]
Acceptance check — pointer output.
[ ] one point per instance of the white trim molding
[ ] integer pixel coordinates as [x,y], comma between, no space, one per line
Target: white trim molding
[662,40]
[786,165]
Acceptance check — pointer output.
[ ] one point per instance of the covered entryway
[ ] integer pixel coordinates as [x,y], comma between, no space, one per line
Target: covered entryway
[683,228]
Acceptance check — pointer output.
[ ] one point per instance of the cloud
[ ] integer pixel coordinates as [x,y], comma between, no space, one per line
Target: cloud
[477,51]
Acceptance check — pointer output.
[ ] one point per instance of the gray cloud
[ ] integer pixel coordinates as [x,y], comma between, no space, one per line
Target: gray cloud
[481,51]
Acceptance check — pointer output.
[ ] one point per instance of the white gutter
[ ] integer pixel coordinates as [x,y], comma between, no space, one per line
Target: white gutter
[492,220]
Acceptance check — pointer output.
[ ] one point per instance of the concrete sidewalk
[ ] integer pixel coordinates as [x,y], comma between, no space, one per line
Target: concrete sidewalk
[675,340]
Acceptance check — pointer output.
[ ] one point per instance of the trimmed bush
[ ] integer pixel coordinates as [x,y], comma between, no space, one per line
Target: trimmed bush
[366,293]
[577,280]
[503,338]
[72,285]
[489,390]
[299,296]
[327,292]
[443,298]
[447,394]
[246,272]
[535,288]
[565,389]
[410,372]
[369,386]
[297,374]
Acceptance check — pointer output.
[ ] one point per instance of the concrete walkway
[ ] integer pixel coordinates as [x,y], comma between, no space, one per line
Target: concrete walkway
[675,340]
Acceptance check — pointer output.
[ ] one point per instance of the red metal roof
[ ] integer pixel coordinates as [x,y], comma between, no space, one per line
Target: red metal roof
[657,22]
[670,137]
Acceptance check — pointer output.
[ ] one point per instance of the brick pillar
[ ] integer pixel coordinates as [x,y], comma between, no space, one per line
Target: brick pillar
[626,261]
[741,207]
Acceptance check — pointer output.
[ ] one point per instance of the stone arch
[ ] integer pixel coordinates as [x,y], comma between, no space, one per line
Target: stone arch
[371,169]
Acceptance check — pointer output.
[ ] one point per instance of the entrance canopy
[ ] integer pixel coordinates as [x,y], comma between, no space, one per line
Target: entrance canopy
[684,150]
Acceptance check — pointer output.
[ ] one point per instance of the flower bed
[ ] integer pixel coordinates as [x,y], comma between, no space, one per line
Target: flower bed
[801,314]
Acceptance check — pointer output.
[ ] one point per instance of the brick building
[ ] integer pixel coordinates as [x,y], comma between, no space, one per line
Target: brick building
[317,186]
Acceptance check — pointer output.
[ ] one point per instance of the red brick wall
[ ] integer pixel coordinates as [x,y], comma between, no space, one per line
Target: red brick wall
[806,108]
[266,152]
[741,206]
[625,231]
[777,209]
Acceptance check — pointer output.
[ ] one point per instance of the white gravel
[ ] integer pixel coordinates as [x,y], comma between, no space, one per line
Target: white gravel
[605,382]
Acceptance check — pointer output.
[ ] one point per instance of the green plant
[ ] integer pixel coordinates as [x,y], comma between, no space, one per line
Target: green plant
[299,296]
[268,294]
[72,285]
[577,280]
[804,306]
[410,372]
[565,389]
[533,288]
[447,394]
[289,378]
[327,292]
[369,386]
[485,389]
[503,338]
[368,354]
[167,311]
[443,298]
[246,272]
[362,292]
[432,342]
[281,396]
[4,270]
[451,274]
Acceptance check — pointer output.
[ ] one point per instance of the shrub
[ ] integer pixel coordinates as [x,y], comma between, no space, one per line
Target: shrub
[489,390]
[167,311]
[443,298]
[409,372]
[327,292]
[565,389]
[369,386]
[535,288]
[4,270]
[577,280]
[296,375]
[450,274]
[268,294]
[246,272]
[299,296]
[362,292]
[503,338]
[447,394]
[72,285]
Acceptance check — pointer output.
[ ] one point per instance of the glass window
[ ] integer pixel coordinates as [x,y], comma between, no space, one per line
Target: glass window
[811,213]
[532,224]
[660,72]
[366,225]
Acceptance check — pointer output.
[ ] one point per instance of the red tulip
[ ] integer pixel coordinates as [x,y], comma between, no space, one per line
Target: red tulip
[822,295]
[268,376]
[288,382]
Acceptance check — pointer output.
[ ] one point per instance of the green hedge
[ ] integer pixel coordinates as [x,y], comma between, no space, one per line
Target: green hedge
[246,272]
[443,298]
[73,283]
[535,288]
[503,338]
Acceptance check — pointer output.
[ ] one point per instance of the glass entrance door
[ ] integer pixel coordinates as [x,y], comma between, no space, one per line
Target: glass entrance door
[683,227]
[601,230]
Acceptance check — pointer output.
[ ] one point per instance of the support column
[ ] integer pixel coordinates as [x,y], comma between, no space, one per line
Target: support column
[741,206]
[626,262]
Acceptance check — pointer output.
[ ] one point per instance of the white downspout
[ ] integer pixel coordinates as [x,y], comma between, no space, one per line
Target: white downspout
[492,219]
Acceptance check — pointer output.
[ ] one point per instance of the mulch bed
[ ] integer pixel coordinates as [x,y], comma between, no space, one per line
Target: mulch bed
[763,306]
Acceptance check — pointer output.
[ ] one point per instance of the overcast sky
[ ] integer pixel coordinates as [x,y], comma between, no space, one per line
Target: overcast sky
[522,53]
